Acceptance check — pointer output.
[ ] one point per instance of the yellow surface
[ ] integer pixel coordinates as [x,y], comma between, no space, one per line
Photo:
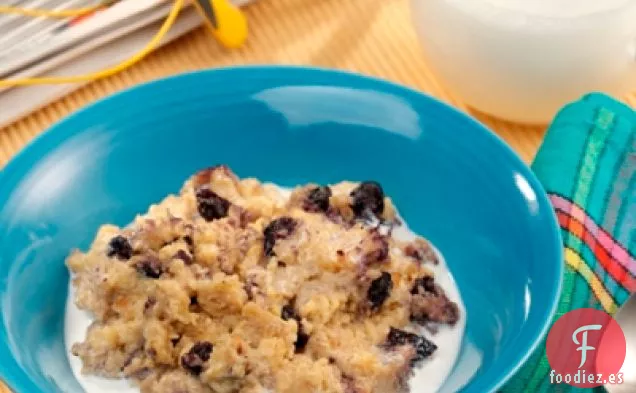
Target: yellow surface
[373,37]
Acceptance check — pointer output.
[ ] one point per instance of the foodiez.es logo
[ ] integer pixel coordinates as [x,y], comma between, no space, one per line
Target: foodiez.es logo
[586,348]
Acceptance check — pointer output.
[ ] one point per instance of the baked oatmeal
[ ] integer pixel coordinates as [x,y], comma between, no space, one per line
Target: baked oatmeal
[235,286]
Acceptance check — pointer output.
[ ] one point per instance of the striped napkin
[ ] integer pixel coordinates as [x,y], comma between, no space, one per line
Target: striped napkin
[587,164]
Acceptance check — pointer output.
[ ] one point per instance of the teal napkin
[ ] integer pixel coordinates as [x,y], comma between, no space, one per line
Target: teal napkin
[587,164]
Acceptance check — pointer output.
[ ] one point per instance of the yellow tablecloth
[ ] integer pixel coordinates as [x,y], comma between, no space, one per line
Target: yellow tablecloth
[374,37]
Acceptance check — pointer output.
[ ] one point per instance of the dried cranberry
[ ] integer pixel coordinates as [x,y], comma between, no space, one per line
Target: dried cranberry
[150,267]
[280,228]
[380,290]
[318,199]
[423,347]
[198,354]
[211,206]
[120,247]
[367,197]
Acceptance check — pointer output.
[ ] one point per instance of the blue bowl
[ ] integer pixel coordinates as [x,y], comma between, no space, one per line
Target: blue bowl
[453,180]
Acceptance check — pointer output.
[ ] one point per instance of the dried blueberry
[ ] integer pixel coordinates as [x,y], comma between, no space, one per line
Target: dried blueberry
[251,289]
[203,350]
[188,240]
[120,247]
[429,303]
[135,354]
[349,384]
[211,206]
[150,303]
[413,252]
[380,290]
[424,284]
[421,252]
[280,228]
[318,199]
[302,339]
[198,354]
[141,374]
[288,313]
[150,267]
[367,197]
[377,249]
[423,347]
[434,308]
[399,337]
[184,256]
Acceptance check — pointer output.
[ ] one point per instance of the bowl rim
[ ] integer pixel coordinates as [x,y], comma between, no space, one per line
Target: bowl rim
[41,141]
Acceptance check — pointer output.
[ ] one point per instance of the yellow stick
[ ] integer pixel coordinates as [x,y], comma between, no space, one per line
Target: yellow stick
[231,29]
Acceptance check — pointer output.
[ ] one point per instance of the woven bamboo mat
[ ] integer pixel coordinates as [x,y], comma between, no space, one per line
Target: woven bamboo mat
[373,37]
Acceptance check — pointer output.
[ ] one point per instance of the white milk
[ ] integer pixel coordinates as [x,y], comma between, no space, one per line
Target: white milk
[428,378]
[524,59]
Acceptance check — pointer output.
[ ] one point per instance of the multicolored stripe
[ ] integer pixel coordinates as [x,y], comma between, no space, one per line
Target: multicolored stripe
[590,246]
[610,252]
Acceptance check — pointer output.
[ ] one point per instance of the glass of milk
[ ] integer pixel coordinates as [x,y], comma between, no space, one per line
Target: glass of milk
[524,59]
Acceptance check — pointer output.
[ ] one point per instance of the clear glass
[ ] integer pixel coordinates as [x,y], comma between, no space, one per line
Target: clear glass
[517,60]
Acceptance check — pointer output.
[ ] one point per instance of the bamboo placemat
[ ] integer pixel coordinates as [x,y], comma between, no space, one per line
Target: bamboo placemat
[374,37]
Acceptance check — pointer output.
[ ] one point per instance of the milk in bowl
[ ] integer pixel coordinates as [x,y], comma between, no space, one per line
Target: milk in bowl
[523,59]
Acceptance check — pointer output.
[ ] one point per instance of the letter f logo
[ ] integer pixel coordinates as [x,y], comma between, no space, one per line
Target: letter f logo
[583,344]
